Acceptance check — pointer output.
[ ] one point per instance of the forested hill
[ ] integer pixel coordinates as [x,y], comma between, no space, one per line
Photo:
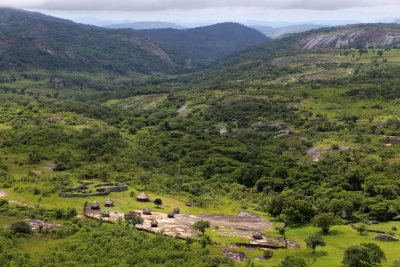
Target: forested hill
[32,40]
[350,36]
[209,42]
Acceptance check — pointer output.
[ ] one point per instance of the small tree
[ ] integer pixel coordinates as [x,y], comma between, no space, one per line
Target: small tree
[325,221]
[380,53]
[314,240]
[268,254]
[201,226]
[133,217]
[158,202]
[282,232]
[361,229]
[363,255]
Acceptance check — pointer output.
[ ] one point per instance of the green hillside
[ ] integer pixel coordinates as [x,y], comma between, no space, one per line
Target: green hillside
[31,40]
[209,42]
[287,136]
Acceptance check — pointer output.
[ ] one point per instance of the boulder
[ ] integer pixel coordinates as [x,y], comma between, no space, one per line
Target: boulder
[386,238]
[257,235]
[177,210]
[171,214]
[394,228]
[188,204]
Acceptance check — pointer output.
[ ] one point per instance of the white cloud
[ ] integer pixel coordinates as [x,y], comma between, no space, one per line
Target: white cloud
[161,5]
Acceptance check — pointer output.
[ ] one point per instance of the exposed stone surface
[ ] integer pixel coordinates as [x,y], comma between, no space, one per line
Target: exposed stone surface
[386,238]
[234,255]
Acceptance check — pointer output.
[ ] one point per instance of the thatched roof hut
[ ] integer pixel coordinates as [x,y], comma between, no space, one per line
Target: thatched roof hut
[257,235]
[143,197]
[109,203]
[171,214]
[154,223]
[106,213]
[177,210]
[95,206]
[147,211]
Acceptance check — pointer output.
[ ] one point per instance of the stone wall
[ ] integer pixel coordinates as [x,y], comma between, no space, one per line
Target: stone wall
[114,187]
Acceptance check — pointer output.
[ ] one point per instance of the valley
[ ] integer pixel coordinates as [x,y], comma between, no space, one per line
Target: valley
[274,138]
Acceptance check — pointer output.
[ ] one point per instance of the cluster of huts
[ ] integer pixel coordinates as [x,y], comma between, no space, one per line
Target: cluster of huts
[142,197]
[108,203]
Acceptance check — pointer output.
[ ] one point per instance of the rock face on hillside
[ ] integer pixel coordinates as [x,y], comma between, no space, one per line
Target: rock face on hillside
[386,238]
[352,36]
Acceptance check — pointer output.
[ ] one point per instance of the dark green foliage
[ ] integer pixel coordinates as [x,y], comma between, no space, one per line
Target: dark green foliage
[268,253]
[293,261]
[158,202]
[21,228]
[314,241]
[133,217]
[363,255]
[325,221]
[201,225]
[209,42]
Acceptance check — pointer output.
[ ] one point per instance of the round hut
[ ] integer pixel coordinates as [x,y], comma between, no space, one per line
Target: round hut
[177,210]
[257,235]
[106,213]
[143,197]
[147,211]
[171,214]
[109,203]
[95,206]
[154,223]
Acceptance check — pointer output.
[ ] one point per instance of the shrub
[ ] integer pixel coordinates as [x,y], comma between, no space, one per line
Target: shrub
[21,228]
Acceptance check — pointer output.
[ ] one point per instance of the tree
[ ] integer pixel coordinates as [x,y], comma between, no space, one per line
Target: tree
[380,53]
[361,229]
[21,228]
[282,232]
[325,221]
[363,255]
[314,240]
[158,202]
[201,225]
[293,261]
[133,217]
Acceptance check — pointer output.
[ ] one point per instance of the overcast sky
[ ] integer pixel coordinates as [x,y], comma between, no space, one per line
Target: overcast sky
[214,10]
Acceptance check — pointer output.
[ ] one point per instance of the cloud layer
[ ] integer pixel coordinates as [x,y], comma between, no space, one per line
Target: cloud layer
[164,5]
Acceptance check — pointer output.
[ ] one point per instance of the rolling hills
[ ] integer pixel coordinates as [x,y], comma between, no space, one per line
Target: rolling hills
[33,40]
[209,42]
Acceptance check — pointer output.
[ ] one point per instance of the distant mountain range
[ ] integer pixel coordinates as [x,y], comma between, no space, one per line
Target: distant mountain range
[209,42]
[145,25]
[277,32]
[34,40]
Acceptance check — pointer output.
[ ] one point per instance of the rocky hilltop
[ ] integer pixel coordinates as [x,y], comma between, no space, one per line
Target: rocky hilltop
[375,35]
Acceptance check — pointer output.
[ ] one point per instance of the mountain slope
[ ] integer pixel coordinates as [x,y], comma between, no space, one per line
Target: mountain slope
[145,25]
[34,40]
[209,42]
[349,36]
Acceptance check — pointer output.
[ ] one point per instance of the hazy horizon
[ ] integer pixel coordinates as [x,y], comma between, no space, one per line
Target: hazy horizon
[203,12]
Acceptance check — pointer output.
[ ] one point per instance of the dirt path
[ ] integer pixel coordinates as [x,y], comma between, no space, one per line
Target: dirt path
[120,200]
[3,193]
